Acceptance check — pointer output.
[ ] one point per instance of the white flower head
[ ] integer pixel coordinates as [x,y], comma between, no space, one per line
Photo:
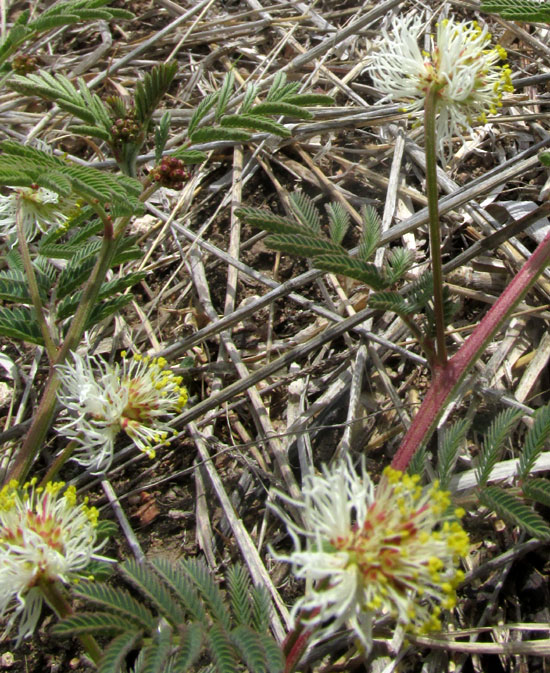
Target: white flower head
[45,536]
[39,208]
[460,62]
[137,396]
[374,551]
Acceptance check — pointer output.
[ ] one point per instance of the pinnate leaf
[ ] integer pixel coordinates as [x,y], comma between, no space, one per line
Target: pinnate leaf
[515,511]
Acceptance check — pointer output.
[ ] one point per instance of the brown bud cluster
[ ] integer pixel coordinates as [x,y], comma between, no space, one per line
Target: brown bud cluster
[171,173]
[23,64]
[126,130]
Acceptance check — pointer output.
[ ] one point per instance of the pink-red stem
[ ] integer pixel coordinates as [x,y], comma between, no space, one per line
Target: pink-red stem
[448,377]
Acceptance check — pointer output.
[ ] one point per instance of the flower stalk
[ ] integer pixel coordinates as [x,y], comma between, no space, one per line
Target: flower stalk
[430,112]
[49,344]
[55,599]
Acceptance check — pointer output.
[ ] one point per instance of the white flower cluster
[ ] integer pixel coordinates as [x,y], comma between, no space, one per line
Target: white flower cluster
[373,551]
[45,536]
[135,397]
[460,63]
[39,208]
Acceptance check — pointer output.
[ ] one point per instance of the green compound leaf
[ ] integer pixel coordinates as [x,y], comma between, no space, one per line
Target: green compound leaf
[225,94]
[161,135]
[14,178]
[232,633]
[208,134]
[93,185]
[99,570]
[249,97]
[19,323]
[203,108]
[93,131]
[308,246]
[115,653]
[372,231]
[152,88]
[514,510]
[191,639]
[518,10]
[107,308]
[239,593]
[537,490]
[149,583]
[309,99]
[190,156]
[339,221]
[352,268]
[493,443]
[420,293]
[256,123]
[127,607]
[92,622]
[77,270]
[418,462]
[156,654]
[176,578]
[535,441]
[221,649]
[14,261]
[14,287]
[56,88]
[261,609]
[281,108]
[82,9]
[61,250]
[273,654]
[248,644]
[306,211]
[265,219]
[390,301]
[280,89]
[399,262]
[449,449]
[209,590]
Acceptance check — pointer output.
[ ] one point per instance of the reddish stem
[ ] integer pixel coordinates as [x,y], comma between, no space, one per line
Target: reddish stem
[448,377]
[297,650]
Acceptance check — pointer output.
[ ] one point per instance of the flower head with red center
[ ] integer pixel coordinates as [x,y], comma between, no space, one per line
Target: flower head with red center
[372,551]
[45,536]
[137,397]
[460,62]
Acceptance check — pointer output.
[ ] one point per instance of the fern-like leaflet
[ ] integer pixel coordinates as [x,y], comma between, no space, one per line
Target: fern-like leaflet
[186,617]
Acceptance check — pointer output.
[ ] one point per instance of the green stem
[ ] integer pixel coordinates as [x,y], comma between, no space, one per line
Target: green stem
[433,213]
[58,463]
[33,288]
[46,409]
[55,599]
